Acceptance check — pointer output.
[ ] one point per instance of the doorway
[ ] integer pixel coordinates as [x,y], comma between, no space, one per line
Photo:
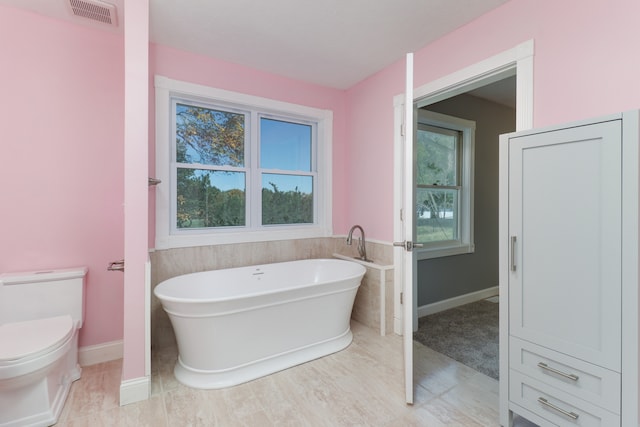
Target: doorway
[453,317]
[518,62]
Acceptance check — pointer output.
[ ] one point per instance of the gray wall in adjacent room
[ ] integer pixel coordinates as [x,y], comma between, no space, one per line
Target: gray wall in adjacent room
[447,277]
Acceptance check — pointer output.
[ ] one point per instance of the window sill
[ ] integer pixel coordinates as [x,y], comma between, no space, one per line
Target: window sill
[439,252]
[225,238]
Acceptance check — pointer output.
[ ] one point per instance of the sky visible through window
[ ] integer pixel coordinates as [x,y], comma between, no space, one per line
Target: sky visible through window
[284,146]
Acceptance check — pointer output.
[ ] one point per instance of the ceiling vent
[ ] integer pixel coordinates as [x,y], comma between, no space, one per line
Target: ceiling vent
[95,10]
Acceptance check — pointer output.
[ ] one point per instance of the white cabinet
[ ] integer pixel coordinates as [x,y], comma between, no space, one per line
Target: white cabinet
[569,273]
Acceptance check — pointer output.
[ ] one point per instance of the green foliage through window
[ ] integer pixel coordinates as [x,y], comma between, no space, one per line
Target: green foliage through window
[438,176]
[202,204]
[208,136]
[285,207]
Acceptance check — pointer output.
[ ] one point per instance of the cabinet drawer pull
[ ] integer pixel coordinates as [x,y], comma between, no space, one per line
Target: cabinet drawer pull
[545,402]
[572,377]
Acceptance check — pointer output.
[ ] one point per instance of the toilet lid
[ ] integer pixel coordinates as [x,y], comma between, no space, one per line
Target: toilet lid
[33,337]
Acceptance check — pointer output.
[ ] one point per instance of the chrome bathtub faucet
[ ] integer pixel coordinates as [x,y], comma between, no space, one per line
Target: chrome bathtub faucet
[362,250]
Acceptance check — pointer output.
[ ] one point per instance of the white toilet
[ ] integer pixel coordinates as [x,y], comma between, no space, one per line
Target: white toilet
[40,315]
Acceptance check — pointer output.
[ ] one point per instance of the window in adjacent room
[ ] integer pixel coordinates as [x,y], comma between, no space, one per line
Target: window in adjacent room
[444,185]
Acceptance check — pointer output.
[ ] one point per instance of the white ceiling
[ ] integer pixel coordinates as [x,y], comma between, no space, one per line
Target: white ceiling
[333,43]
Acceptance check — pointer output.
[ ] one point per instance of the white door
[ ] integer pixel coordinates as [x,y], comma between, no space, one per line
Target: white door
[405,246]
[565,228]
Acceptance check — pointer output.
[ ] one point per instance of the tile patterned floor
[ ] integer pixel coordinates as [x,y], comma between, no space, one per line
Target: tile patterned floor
[359,386]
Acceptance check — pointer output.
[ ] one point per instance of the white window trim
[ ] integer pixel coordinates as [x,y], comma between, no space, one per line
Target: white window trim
[167,88]
[465,244]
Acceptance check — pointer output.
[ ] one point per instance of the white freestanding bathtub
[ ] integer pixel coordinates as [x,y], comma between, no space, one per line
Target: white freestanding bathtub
[239,324]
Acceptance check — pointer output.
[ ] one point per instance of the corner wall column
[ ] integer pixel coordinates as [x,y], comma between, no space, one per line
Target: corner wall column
[136,382]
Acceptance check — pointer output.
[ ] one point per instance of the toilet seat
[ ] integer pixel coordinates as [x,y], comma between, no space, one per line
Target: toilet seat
[24,341]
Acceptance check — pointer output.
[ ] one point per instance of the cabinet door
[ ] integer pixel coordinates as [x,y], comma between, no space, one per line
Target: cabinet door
[565,227]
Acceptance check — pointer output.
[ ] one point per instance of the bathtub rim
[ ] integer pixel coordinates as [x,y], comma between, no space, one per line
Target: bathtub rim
[170,311]
[191,300]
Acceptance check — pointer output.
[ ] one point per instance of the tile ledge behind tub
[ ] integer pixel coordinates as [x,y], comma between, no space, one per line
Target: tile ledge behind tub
[375,301]
[365,263]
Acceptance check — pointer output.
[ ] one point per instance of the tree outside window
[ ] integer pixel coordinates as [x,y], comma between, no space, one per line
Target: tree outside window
[444,184]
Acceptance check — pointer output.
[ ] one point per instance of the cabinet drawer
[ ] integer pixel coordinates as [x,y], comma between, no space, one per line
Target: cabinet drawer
[556,406]
[588,382]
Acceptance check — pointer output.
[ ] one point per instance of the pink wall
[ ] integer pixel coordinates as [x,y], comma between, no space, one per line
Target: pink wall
[61,157]
[586,64]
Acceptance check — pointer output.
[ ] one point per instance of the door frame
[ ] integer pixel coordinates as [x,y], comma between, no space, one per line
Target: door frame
[515,61]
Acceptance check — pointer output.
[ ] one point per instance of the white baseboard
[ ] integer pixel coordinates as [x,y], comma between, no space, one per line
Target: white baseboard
[436,307]
[106,352]
[135,390]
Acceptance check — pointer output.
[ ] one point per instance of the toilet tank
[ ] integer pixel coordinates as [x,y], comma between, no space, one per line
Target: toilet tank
[40,294]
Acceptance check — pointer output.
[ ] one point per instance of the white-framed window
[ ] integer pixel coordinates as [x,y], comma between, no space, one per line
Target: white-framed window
[444,185]
[238,168]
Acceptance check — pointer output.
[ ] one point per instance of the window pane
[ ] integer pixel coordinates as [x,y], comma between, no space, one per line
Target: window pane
[285,145]
[210,198]
[437,215]
[287,199]
[209,137]
[437,156]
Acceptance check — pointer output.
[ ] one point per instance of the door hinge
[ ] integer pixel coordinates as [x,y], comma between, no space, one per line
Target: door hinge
[401,297]
[401,215]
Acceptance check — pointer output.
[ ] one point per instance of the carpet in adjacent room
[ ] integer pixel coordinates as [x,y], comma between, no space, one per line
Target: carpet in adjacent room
[468,334]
